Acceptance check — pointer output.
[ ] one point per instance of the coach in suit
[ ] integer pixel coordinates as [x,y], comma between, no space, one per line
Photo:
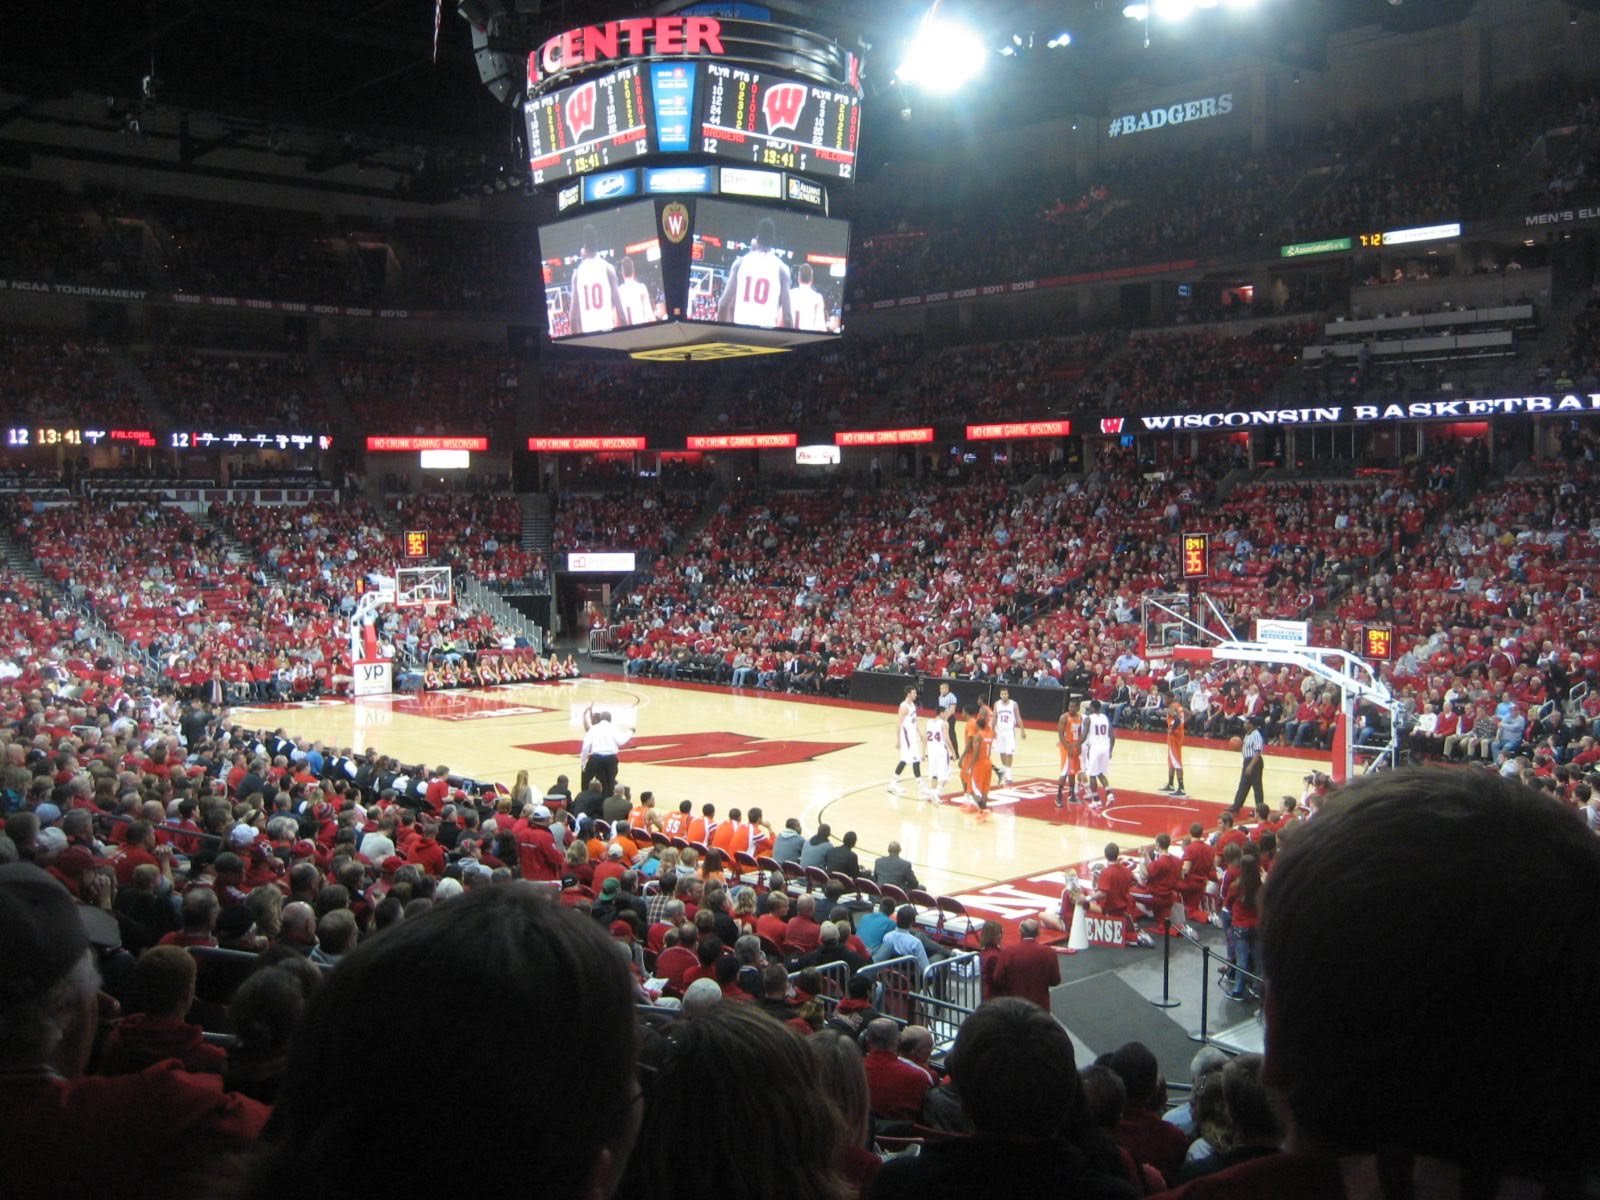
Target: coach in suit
[894,870]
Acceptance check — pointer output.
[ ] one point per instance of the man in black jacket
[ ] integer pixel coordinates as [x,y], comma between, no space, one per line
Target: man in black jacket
[842,858]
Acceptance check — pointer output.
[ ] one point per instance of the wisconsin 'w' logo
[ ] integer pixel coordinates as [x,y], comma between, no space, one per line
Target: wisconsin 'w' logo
[783,105]
[580,111]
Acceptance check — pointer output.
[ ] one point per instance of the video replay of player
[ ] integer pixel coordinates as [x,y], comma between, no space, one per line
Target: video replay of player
[602,271]
[767,268]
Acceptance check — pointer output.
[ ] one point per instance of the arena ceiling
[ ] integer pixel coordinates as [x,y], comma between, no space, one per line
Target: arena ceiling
[365,68]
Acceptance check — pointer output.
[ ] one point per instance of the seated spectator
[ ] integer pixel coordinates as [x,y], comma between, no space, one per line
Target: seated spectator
[1379,1081]
[1142,1133]
[160,991]
[780,1142]
[501,953]
[1255,1129]
[177,1123]
[838,1063]
[1013,1067]
[264,1011]
[897,1086]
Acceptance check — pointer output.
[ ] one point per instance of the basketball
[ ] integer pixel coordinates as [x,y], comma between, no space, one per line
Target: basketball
[1235,742]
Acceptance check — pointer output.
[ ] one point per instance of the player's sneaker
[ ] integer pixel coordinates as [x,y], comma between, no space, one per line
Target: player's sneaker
[1179,792]
[1166,790]
[1143,939]
[894,787]
[1110,799]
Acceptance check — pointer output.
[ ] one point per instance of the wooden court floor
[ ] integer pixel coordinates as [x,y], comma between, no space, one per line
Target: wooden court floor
[820,761]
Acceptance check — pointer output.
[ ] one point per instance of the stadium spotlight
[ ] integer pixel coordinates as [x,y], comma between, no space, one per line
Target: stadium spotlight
[943,54]
[1173,10]
[1136,12]
[1060,40]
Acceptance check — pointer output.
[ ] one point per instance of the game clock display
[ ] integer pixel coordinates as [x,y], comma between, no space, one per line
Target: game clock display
[589,126]
[773,121]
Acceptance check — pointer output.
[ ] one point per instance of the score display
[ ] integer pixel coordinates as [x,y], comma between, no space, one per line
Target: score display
[590,125]
[774,121]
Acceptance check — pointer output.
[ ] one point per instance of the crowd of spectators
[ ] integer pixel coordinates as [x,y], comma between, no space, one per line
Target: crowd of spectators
[475,533]
[256,390]
[607,396]
[431,389]
[649,520]
[58,378]
[233,250]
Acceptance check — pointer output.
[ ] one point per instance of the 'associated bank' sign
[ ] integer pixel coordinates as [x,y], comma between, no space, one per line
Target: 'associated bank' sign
[1339,414]
[1180,113]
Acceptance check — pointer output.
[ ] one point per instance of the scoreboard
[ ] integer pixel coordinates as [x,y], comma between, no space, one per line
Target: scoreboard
[588,126]
[758,117]
[772,121]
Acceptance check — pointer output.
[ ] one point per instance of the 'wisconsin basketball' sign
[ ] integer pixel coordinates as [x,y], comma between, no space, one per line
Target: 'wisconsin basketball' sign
[629,38]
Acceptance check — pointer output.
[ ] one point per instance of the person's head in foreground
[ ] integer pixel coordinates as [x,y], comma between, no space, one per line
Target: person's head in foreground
[548,1012]
[760,1123]
[1416,1007]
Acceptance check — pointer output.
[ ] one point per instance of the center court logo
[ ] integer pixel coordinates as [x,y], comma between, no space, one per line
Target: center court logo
[675,222]
[720,751]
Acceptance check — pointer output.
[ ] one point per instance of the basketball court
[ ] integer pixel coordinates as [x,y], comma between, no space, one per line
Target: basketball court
[819,760]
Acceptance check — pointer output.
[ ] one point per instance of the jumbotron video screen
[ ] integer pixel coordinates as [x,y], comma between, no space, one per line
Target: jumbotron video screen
[767,268]
[602,271]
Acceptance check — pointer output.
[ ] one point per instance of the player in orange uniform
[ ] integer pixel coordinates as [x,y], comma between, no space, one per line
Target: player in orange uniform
[1175,724]
[1069,733]
[677,823]
[979,762]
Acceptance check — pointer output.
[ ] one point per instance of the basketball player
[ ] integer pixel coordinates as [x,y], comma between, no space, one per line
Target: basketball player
[1176,718]
[1069,734]
[907,741]
[936,736]
[810,312]
[948,709]
[1007,728]
[634,296]
[1097,739]
[596,302]
[979,760]
[757,291]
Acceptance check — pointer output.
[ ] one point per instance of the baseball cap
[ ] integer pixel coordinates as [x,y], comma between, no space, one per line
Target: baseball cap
[540,813]
[391,864]
[621,929]
[611,886]
[47,813]
[51,840]
[303,848]
[43,931]
[242,835]
[614,850]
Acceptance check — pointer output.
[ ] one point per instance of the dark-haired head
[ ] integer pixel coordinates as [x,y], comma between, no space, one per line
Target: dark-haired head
[498,954]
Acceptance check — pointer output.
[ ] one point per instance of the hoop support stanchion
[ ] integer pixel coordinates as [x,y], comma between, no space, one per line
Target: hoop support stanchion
[1166,1000]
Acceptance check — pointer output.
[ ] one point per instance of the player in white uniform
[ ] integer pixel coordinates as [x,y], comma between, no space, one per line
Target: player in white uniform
[1007,728]
[596,302]
[935,734]
[810,310]
[1097,754]
[757,291]
[636,306]
[908,742]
